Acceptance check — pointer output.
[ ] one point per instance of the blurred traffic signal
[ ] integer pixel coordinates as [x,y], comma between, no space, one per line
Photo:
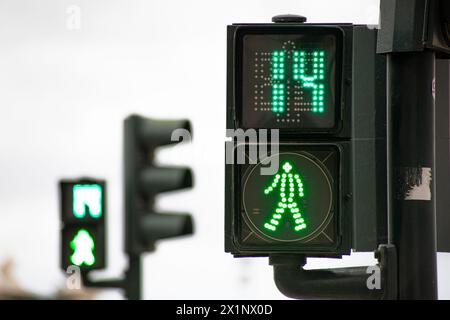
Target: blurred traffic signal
[83,206]
[144,180]
[317,85]
[83,212]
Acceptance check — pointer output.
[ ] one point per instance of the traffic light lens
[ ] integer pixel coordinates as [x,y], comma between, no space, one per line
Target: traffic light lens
[289,206]
[306,63]
[87,199]
[83,246]
[295,205]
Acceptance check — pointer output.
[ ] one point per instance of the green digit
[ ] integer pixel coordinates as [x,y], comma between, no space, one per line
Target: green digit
[314,63]
[278,76]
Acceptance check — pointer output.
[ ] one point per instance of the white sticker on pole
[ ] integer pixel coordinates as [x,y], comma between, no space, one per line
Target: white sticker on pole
[420,189]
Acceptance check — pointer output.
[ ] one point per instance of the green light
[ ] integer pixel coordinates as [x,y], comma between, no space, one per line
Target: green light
[83,247]
[310,62]
[304,62]
[278,73]
[274,220]
[87,198]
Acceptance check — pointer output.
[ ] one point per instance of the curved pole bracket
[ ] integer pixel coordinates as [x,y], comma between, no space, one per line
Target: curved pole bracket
[361,283]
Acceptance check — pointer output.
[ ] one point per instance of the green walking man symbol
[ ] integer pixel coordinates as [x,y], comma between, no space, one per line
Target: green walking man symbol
[287,182]
[83,246]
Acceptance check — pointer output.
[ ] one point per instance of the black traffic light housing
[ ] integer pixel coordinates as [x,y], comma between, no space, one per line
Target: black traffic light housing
[358,135]
[321,135]
[144,180]
[83,218]
[351,152]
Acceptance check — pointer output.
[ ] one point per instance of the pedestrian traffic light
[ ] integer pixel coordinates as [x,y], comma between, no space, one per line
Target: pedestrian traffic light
[83,213]
[316,88]
[144,180]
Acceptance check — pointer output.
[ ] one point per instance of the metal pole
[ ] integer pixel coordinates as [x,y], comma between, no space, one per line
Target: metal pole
[133,278]
[411,109]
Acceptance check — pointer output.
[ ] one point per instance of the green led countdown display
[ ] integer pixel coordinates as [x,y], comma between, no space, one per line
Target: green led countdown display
[294,205]
[303,62]
[83,246]
[87,198]
[289,81]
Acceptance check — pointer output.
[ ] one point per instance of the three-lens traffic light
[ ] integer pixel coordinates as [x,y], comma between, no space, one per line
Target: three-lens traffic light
[144,180]
[83,214]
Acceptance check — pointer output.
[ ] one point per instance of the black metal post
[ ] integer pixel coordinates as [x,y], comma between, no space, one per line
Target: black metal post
[133,289]
[411,152]
[131,284]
